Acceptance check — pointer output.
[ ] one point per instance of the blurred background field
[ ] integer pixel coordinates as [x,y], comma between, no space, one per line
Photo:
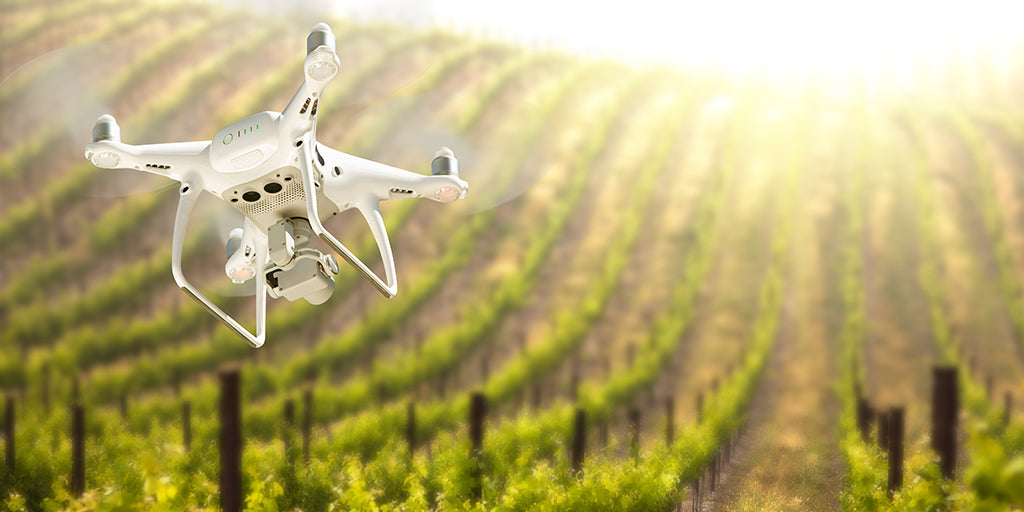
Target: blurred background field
[711,230]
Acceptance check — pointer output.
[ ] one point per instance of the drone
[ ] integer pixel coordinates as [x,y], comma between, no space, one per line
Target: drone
[271,168]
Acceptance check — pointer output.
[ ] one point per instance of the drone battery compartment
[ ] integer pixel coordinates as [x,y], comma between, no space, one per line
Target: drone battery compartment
[245,144]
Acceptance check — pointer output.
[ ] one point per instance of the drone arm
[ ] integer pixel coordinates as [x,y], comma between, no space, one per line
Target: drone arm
[299,115]
[319,68]
[172,160]
[189,193]
[358,176]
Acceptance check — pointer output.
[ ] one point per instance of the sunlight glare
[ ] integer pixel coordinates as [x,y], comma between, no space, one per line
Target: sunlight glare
[739,35]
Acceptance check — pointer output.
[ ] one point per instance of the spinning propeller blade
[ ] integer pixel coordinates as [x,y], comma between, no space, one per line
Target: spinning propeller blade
[57,98]
[61,90]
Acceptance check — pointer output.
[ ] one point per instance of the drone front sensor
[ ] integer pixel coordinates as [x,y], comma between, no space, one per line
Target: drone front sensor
[270,167]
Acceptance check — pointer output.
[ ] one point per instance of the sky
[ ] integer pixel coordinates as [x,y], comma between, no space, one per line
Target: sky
[735,34]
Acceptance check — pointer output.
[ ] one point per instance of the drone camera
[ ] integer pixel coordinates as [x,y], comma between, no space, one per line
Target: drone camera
[297,271]
[310,276]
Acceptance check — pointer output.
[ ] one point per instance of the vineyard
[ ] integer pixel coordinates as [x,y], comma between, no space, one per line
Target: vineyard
[666,289]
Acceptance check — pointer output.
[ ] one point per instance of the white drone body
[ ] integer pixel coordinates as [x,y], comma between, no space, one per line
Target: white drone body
[271,168]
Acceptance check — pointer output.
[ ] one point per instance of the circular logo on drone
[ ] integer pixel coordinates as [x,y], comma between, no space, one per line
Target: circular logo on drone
[228,137]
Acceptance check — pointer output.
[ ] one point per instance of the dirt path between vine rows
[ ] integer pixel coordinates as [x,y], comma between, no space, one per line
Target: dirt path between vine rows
[789,459]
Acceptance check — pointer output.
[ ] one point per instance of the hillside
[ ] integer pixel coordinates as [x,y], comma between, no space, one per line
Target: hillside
[711,269]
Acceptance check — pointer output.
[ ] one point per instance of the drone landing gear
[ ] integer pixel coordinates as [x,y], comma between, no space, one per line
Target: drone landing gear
[370,208]
[189,193]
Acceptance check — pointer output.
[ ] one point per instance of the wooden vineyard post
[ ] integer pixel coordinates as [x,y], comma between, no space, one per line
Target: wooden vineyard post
[883,430]
[719,456]
[289,424]
[579,441]
[695,485]
[727,451]
[945,411]
[186,425]
[895,449]
[634,433]
[230,442]
[307,422]
[77,450]
[713,473]
[477,413]
[9,433]
[410,428]
[670,420]
[865,417]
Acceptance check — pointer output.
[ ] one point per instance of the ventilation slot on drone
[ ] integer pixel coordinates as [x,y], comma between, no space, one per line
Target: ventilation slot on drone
[404,191]
[319,157]
[247,160]
[305,106]
[158,166]
[315,103]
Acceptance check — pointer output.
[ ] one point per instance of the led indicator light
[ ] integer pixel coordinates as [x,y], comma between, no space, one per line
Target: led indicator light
[447,194]
[242,274]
